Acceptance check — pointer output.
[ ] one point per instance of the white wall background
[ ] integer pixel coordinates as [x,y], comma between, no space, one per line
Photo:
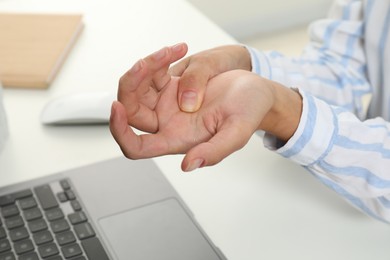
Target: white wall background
[248,18]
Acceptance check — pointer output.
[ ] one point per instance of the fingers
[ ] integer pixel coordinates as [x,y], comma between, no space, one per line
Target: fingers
[178,51]
[192,86]
[224,143]
[166,56]
[132,145]
[159,62]
[178,68]
[153,67]
[139,86]
[139,107]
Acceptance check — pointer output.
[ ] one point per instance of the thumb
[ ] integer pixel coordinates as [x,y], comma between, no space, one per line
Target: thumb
[178,68]
[192,88]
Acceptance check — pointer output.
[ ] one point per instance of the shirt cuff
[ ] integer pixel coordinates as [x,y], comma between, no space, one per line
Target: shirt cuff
[314,136]
[260,63]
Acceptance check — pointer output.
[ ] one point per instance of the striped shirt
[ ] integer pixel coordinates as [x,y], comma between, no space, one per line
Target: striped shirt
[343,137]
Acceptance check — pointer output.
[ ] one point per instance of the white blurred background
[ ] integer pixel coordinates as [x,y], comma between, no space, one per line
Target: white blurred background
[266,24]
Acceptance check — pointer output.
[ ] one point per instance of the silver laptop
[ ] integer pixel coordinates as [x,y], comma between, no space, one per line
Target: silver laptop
[117,209]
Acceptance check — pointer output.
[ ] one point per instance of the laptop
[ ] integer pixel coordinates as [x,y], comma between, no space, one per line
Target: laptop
[117,209]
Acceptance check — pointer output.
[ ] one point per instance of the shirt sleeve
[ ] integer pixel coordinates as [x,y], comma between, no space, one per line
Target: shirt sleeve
[332,66]
[334,140]
[346,154]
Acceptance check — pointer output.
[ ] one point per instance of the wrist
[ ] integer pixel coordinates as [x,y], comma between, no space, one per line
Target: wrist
[283,118]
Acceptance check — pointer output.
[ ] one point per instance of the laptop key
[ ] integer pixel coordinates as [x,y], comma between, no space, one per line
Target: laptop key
[77,217]
[6,200]
[79,258]
[59,225]
[70,195]
[3,234]
[57,257]
[54,214]
[4,245]
[27,203]
[10,198]
[94,249]
[29,256]
[9,211]
[71,250]
[7,256]
[37,225]
[19,234]
[75,205]
[62,197]
[33,213]
[23,246]
[84,230]
[42,237]
[14,222]
[46,197]
[48,250]
[65,238]
[65,184]
[22,194]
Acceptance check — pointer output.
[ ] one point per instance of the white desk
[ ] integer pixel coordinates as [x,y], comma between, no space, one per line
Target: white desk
[254,205]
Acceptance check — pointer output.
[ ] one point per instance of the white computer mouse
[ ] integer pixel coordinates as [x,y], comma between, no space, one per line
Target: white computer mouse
[80,108]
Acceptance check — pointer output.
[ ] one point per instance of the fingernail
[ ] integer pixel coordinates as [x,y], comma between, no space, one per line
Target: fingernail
[195,164]
[114,113]
[113,110]
[189,101]
[137,66]
[158,55]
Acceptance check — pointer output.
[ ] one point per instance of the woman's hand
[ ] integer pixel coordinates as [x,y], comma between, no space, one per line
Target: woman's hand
[236,104]
[196,70]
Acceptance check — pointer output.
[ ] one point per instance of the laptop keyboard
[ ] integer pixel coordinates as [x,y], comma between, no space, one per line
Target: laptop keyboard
[47,222]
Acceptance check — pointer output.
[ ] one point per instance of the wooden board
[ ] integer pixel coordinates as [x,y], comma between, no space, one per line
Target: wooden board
[34,46]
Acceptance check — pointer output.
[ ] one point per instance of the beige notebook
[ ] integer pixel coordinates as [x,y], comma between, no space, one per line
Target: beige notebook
[33,47]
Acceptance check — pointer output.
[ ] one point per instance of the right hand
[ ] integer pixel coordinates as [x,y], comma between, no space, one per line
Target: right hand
[237,103]
[196,70]
[234,107]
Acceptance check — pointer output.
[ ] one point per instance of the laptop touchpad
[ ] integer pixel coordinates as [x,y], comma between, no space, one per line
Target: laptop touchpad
[162,230]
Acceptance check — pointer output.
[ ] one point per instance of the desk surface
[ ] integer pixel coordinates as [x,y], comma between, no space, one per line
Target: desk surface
[254,205]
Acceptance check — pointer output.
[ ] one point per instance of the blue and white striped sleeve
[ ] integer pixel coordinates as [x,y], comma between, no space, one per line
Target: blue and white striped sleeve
[332,66]
[346,154]
[334,140]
